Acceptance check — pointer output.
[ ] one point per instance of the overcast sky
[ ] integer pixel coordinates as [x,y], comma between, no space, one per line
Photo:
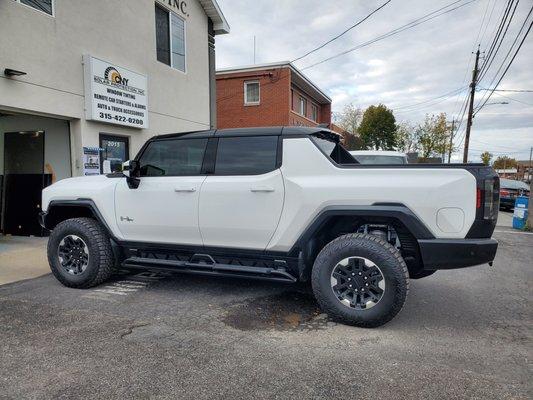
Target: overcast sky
[420,64]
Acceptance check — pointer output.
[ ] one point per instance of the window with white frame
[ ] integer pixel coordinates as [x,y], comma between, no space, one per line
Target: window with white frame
[302,106]
[314,112]
[45,6]
[170,38]
[251,92]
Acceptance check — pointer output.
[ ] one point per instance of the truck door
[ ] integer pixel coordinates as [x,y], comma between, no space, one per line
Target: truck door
[241,203]
[164,208]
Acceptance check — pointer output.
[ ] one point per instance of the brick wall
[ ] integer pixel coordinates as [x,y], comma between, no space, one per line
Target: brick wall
[273,110]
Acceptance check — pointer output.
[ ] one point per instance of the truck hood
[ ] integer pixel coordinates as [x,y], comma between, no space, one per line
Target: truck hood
[94,187]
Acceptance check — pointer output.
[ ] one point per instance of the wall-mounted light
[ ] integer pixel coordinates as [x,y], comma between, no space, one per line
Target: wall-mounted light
[13,72]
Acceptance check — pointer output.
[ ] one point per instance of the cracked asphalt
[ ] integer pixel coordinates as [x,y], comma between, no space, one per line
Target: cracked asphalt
[462,334]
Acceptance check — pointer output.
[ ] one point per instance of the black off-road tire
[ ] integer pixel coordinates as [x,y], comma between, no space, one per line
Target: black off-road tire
[383,255]
[101,261]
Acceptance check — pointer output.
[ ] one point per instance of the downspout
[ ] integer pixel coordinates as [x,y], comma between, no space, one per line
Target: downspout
[212,77]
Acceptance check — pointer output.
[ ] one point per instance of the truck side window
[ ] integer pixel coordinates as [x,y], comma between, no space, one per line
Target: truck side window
[246,155]
[173,157]
[331,147]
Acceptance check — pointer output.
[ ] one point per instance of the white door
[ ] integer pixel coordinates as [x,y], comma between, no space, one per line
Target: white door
[241,204]
[164,208]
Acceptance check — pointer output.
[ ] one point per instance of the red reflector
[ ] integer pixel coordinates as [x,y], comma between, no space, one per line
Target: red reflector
[478,198]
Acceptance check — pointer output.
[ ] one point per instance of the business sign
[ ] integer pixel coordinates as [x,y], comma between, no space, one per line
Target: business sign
[115,94]
[91,161]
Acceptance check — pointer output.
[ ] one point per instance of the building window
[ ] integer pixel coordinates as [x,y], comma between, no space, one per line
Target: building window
[45,6]
[251,93]
[314,112]
[170,38]
[302,105]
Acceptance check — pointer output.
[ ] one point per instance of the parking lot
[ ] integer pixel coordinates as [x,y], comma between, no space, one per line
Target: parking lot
[464,333]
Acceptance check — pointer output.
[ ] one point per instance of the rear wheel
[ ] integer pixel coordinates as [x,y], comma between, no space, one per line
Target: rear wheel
[79,253]
[360,280]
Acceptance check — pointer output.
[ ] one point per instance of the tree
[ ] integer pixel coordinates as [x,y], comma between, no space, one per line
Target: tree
[504,162]
[378,128]
[486,157]
[407,138]
[434,136]
[349,120]
[353,142]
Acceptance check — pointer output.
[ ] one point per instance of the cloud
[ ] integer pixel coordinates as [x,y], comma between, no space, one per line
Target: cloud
[414,66]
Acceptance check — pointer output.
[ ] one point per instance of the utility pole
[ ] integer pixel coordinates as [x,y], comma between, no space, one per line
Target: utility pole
[254,49]
[471,107]
[529,169]
[451,141]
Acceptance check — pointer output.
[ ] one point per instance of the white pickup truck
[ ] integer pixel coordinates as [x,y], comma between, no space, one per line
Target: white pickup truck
[281,203]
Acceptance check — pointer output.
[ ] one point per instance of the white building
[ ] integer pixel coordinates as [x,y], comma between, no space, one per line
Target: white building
[83,84]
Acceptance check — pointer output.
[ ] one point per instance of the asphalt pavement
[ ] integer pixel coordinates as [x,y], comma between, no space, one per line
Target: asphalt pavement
[462,334]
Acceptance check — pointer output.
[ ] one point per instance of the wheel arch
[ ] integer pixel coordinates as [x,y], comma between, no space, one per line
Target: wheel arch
[334,221]
[61,210]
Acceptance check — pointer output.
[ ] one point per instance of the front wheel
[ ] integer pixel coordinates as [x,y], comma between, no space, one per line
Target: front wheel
[79,253]
[360,280]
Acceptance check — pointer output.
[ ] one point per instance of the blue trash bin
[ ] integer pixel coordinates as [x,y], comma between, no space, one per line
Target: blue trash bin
[520,212]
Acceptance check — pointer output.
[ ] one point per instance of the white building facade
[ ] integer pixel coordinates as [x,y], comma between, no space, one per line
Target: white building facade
[83,84]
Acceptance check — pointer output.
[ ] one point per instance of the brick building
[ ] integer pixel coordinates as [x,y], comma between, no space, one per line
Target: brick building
[269,95]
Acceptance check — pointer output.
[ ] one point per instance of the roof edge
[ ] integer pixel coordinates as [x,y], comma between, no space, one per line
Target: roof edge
[279,64]
[213,11]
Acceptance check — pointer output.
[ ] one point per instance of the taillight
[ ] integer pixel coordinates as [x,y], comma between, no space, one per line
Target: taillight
[478,198]
[504,193]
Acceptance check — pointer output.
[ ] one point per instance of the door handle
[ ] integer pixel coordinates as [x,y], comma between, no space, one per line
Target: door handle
[184,190]
[263,189]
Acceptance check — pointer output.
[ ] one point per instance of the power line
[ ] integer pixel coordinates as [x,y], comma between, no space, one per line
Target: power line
[486,65]
[512,99]
[483,99]
[342,33]
[508,66]
[444,96]
[498,33]
[412,24]
[510,90]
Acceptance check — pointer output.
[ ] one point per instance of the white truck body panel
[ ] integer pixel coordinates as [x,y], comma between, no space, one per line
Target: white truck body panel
[272,210]
[163,209]
[241,209]
[312,183]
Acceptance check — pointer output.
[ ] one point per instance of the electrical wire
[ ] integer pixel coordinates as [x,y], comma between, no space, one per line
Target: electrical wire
[412,24]
[508,65]
[488,62]
[342,33]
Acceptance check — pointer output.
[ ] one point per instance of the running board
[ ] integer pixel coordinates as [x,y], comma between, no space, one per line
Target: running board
[205,265]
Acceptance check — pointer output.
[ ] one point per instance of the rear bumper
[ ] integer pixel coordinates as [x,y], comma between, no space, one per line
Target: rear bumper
[456,253]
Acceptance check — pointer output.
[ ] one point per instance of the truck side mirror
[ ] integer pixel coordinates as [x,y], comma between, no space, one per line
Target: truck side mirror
[131,170]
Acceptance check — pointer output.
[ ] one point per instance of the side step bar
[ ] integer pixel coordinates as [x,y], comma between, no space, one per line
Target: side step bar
[205,265]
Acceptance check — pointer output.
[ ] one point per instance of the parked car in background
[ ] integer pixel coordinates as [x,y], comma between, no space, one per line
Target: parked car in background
[510,190]
[379,157]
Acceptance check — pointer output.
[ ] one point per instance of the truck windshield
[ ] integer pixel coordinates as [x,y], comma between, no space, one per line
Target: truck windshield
[331,147]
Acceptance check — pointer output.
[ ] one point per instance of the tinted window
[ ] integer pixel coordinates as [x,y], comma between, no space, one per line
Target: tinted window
[333,149]
[173,157]
[246,155]
[41,5]
[162,37]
